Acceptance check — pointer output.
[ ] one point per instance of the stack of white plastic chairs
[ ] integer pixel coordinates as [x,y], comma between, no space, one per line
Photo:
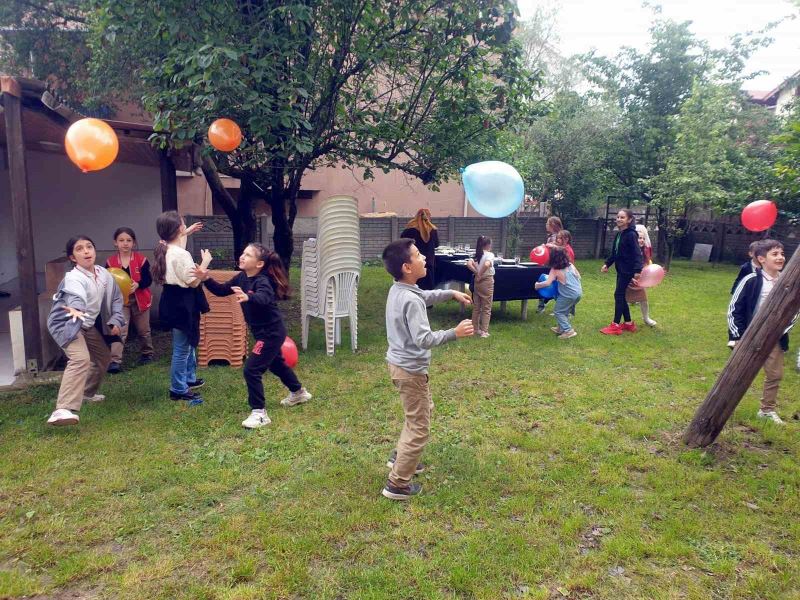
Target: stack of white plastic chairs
[330,272]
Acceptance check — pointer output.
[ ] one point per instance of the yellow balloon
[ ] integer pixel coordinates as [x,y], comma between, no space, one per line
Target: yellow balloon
[123,281]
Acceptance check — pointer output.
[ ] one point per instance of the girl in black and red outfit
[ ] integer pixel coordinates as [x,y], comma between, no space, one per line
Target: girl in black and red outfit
[261,282]
[627,256]
[137,307]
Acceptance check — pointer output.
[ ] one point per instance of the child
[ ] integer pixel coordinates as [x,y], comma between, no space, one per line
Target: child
[552,226]
[628,258]
[749,267]
[564,239]
[634,293]
[569,290]
[747,298]
[260,283]
[137,310]
[483,288]
[182,302]
[87,311]
[409,356]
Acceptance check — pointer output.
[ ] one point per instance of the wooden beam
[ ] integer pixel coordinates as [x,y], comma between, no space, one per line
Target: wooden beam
[169,182]
[23,229]
[748,356]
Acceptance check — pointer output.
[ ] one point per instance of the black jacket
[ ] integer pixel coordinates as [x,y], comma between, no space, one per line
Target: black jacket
[743,306]
[180,308]
[627,254]
[746,269]
[261,309]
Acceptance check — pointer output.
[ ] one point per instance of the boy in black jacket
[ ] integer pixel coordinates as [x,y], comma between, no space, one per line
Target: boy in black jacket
[747,298]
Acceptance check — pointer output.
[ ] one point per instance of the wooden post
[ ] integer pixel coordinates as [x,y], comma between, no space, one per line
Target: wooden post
[451,231]
[23,229]
[169,182]
[599,237]
[748,356]
[503,236]
[394,235]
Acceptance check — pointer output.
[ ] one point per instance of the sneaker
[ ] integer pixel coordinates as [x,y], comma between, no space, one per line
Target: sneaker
[196,384]
[189,395]
[145,359]
[539,310]
[401,493]
[393,457]
[629,327]
[257,418]
[114,368]
[568,334]
[95,398]
[770,414]
[556,330]
[299,397]
[613,329]
[650,322]
[62,416]
[483,334]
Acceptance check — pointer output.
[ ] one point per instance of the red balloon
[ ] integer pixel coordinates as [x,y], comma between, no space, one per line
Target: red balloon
[224,135]
[651,276]
[289,351]
[541,255]
[759,215]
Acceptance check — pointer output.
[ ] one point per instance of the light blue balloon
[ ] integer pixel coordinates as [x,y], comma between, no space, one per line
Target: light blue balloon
[494,188]
[549,292]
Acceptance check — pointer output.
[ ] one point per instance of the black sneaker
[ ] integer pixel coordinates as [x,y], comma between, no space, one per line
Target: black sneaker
[401,493]
[196,384]
[390,463]
[114,368]
[145,359]
[189,395]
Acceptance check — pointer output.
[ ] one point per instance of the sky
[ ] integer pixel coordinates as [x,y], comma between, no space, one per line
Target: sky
[607,25]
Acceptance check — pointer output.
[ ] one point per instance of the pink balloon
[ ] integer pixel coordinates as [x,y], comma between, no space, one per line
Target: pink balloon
[540,255]
[651,276]
[759,215]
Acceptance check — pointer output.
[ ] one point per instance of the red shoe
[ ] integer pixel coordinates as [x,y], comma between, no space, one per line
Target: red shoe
[613,329]
[629,327]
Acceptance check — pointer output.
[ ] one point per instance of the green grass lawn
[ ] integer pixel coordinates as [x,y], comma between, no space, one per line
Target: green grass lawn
[556,471]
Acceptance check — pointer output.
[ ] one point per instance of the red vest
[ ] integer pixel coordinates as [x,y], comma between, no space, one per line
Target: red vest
[143,296]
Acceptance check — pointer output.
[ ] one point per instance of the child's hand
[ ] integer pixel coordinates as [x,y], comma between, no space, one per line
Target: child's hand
[206,258]
[240,295]
[193,228]
[462,298]
[731,344]
[464,329]
[75,314]
[604,269]
[134,286]
[200,273]
[115,330]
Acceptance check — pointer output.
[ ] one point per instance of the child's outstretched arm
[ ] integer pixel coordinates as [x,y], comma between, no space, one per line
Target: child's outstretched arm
[543,284]
[432,297]
[421,332]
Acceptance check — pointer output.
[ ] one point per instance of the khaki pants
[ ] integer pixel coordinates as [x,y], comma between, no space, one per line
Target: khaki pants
[140,320]
[87,360]
[773,373]
[415,394]
[482,303]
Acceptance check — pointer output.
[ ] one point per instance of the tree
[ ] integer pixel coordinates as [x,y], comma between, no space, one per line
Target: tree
[415,86]
[787,165]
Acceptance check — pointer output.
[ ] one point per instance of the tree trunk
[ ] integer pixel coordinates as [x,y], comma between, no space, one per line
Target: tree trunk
[228,204]
[282,238]
[748,356]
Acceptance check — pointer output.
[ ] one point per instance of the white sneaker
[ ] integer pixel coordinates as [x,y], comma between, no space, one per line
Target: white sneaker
[295,398]
[568,334]
[95,398]
[650,322]
[770,414]
[63,416]
[483,334]
[257,418]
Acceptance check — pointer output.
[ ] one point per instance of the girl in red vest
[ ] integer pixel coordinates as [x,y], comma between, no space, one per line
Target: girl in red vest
[137,309]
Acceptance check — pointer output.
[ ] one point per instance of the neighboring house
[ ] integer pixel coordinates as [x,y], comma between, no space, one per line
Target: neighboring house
[779,98]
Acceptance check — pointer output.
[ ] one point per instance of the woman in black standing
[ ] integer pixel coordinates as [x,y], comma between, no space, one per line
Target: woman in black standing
[627,256]
[426,239]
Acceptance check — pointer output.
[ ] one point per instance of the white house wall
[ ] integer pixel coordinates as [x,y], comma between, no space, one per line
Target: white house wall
[66,202]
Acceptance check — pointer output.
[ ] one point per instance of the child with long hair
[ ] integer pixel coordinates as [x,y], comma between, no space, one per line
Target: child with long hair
[627,257]
[86,316]
[261,282]
[482,264]
[182,302]
[635,294]
[564,240]
[137,309]
[552,226]
[570,290]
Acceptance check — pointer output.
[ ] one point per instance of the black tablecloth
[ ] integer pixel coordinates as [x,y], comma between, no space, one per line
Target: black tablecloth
[511,282]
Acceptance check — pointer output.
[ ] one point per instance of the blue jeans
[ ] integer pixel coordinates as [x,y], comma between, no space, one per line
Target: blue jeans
[184,363]
[563,308]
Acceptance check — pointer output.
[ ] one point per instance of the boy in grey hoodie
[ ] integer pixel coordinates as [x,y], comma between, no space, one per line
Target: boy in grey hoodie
[409,356]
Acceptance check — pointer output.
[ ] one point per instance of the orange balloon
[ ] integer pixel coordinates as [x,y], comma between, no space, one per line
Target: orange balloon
[91,144]
[224,135]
